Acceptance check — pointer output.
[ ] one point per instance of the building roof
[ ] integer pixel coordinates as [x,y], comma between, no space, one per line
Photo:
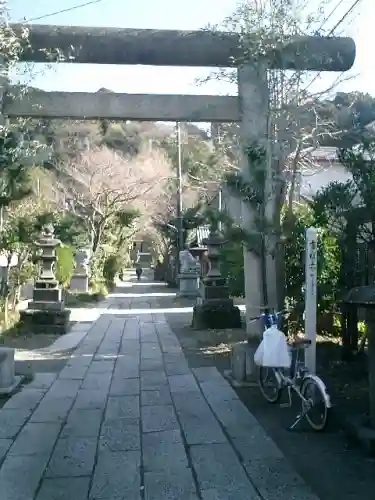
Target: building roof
[324,153]
[198,235]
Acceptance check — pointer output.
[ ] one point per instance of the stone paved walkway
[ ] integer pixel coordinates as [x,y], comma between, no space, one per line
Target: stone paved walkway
[126,419]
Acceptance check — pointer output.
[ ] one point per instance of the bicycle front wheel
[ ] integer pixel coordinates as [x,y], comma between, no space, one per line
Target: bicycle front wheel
[314,404]
[269,384]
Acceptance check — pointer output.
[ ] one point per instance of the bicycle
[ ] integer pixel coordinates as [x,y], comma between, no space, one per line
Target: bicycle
[306,385]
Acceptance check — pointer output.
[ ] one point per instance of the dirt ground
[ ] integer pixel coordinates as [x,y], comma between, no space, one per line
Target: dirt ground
[28,342]
[334,469]
[27,368]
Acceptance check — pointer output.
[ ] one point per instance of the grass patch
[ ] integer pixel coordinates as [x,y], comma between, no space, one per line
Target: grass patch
[79,299]
[9,328]
[98,291]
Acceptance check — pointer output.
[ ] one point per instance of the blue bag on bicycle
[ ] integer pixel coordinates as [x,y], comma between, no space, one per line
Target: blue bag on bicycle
[273,351]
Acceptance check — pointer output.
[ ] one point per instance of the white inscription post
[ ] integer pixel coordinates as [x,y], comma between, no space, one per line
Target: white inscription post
[311,296]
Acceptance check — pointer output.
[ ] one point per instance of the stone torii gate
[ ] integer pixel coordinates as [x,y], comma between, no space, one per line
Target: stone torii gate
[89,45]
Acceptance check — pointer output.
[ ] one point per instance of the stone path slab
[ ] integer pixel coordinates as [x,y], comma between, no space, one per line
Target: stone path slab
[127,419]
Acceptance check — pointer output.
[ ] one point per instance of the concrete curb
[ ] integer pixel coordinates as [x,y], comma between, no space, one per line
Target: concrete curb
[62,345]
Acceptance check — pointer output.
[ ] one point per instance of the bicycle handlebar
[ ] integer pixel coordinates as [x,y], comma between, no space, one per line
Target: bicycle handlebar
[264,315]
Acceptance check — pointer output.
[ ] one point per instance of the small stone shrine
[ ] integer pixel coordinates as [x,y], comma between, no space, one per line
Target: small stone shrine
[46,313]
[80,278]
[189,275]
[214,308]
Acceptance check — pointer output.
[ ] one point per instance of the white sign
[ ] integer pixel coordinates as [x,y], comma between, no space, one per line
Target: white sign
[311,296]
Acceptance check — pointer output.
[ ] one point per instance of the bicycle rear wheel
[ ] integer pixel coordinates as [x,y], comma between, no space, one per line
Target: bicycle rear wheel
[314,407]
[269,384]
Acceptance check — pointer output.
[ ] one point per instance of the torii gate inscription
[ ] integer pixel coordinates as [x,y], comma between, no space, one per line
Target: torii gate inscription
[89,45]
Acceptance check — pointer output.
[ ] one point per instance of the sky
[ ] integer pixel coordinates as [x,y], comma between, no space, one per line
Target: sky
[172,14]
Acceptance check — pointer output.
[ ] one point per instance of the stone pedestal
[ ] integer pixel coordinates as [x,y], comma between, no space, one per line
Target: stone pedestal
[188,284]
[79,283]
[243,370]
[8,381]
[46,313]
[45,321]
[214,309]
[80,279]
[219,314]
[189,276]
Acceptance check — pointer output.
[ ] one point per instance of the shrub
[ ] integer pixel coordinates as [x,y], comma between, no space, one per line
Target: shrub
[99,289]
[232,268]
[112,266]
[64,265]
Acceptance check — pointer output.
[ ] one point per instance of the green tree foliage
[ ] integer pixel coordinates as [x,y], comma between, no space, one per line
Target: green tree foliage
[232,267]
[328,263]
[126,138]
[344,204]
[16,241]
[112,267]
[191,219]
[200,160]
[70,230]
[14,177]
[122,227]
[351,113]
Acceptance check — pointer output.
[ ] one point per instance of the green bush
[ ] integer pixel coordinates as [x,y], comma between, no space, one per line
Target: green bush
[64,265]
[232,267]
[328,271]
[111,268]
[328,263]
[99,288]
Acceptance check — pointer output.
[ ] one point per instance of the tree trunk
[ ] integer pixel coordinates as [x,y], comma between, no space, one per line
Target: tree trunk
[97,239]
[16,296]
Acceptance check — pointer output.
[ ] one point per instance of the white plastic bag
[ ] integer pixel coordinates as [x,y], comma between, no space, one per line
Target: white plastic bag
[273,351]
[258,356]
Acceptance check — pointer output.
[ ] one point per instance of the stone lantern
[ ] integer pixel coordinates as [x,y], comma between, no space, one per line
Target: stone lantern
[214,308]
[46,313]
[47,292]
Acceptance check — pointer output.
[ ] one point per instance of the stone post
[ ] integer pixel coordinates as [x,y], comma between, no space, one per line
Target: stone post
[214,308]
[80,277]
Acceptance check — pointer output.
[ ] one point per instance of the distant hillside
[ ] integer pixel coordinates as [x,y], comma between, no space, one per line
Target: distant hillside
[67,137]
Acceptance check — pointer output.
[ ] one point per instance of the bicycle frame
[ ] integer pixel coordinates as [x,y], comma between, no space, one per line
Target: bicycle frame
[300,373]
[292,382]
